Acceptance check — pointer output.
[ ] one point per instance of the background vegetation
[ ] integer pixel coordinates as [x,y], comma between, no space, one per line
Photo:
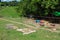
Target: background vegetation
[34,7]
[38,7]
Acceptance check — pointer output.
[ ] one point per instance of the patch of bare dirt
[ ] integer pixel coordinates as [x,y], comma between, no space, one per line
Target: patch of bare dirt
[32,22]
[11,26]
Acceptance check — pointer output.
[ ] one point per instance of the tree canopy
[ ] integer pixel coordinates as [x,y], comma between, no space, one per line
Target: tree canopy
[37,7]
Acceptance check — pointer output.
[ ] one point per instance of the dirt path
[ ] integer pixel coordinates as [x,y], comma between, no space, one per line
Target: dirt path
[17,22]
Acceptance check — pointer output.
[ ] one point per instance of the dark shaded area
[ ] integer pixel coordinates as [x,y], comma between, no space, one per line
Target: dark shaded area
[51,18]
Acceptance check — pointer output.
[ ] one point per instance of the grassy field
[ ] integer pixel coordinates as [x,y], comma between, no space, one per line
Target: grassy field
[8,34]
[9,12]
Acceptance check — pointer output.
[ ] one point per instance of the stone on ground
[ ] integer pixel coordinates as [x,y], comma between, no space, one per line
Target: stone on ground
[26,30]
[11,26]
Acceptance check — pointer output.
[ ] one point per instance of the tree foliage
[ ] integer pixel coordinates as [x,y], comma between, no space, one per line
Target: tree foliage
[37,7]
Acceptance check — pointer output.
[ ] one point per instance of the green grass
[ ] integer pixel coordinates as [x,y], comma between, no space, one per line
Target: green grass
[9,12]
[8,34]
